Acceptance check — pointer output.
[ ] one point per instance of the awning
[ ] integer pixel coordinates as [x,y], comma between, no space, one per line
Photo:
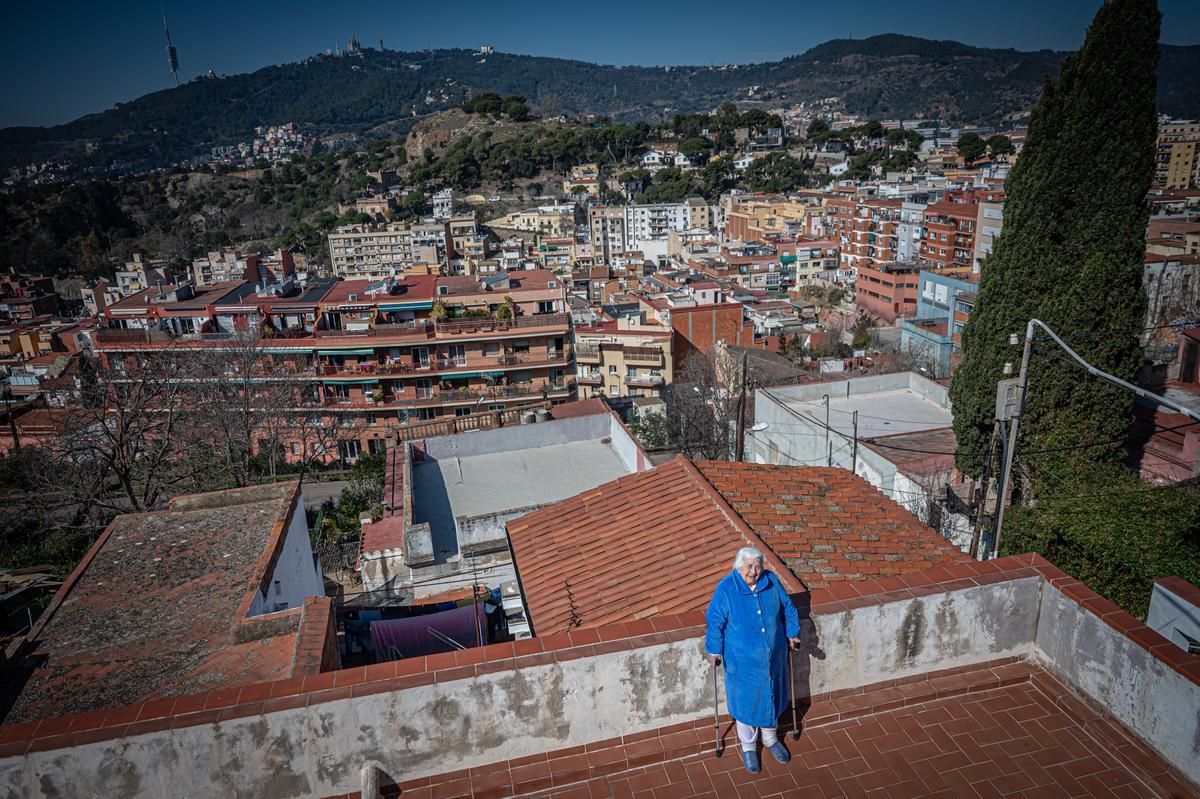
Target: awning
[352,381]
[787,259]
[345,352]
[416,305]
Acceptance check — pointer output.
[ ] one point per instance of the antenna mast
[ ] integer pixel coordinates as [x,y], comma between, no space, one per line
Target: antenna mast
[172,57]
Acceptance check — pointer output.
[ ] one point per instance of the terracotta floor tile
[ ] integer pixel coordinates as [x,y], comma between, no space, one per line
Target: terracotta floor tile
[990,744]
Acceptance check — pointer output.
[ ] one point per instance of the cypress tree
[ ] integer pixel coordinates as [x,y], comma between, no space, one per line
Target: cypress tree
[1071,252]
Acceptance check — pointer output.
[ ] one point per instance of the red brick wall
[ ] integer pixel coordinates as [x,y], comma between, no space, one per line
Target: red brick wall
[701,328]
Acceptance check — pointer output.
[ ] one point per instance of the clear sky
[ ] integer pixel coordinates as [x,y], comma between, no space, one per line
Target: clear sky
[62,60]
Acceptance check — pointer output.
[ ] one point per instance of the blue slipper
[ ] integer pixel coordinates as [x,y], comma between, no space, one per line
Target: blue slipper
[750,761]
[779,752]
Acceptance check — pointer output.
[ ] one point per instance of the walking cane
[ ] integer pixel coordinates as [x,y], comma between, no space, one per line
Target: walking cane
[792,696]
[716,719]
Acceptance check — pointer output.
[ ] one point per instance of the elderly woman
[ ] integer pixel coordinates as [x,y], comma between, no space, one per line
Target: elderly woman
[751,625]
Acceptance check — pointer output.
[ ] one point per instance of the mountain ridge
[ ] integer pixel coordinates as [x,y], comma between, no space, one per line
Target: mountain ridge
[885,76]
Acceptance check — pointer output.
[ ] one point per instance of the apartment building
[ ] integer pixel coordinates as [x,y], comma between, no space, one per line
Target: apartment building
[225,265]
[370,356]
[761,216]
[866,229]
[1177,156]
[139,275]
[552,220]
[809,259]
[988,225]
[934,336]
[950,229]
[24,298]
[623,358]
[910,229]
[609,232]
[887,291]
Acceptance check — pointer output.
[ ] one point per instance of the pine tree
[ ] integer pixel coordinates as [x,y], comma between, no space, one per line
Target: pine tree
[1071,252]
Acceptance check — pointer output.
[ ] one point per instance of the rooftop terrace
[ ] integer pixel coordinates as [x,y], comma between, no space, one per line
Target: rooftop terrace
[980,679]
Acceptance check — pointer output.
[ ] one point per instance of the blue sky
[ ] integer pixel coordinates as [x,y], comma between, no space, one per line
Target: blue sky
[63,60]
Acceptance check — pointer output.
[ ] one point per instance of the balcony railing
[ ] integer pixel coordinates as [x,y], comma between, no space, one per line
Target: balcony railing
[648,382]
[644,354]
[590,380]
[371,368]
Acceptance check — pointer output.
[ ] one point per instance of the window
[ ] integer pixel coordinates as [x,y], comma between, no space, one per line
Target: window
[295,448]
[426,414]
[377,446]
[612,391]
[545,306]
[491,349]
[349,449]
[520,345]
[612,369]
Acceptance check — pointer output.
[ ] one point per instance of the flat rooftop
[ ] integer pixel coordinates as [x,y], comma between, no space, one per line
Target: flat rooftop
[881,413]
[494,482]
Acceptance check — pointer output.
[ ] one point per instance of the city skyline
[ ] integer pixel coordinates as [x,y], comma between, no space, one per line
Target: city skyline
[95,57]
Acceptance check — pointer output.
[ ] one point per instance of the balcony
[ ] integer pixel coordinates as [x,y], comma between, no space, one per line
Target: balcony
[644,355]
[587,353]
[654,381]
[590,380]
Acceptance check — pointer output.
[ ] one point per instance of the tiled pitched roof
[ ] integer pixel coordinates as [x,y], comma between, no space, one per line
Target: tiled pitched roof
[156,610]
[657,542]
[646,544]
[828,525]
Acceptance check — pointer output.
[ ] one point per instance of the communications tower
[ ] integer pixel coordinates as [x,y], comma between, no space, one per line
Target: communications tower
[172,57]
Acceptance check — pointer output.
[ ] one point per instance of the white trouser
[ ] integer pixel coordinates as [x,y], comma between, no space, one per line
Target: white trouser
[749,735]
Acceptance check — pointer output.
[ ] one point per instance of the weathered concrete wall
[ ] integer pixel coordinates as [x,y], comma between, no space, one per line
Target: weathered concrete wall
[1160,705]
[409,733]
[625,447]
[296,575]
[319,750]
[1173,616]
[513,437]
[940,631]
[487,532]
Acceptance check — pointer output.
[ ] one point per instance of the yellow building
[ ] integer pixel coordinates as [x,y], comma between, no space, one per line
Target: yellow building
[623,358]
[1177,164]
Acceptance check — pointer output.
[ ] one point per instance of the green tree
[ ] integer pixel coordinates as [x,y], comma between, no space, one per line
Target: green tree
[970,146]
[1072,251]
[1113,532]
[1000,145]
[818,130]
[694,148]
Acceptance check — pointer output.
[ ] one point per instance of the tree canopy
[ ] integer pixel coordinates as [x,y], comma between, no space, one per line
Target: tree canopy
[1071,253]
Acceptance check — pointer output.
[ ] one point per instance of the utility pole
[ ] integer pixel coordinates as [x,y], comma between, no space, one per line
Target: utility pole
[854,449]
[1023,382]
[985,480]
[827,448]
[741,417]
[475,601]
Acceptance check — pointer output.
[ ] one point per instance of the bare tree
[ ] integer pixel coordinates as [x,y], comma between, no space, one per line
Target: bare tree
[702,408]
[246,396]
[125,441]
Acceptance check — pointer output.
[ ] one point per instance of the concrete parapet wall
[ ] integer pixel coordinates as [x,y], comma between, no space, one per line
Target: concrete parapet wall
[1123,677]
[311,736]
[466,709]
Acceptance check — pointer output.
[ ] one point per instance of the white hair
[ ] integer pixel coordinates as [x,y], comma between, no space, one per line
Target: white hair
[744,554]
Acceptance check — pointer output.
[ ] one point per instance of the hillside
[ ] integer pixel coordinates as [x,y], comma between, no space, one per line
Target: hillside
[884,76]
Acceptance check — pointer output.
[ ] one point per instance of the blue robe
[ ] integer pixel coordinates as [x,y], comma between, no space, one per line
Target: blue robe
[750,631]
